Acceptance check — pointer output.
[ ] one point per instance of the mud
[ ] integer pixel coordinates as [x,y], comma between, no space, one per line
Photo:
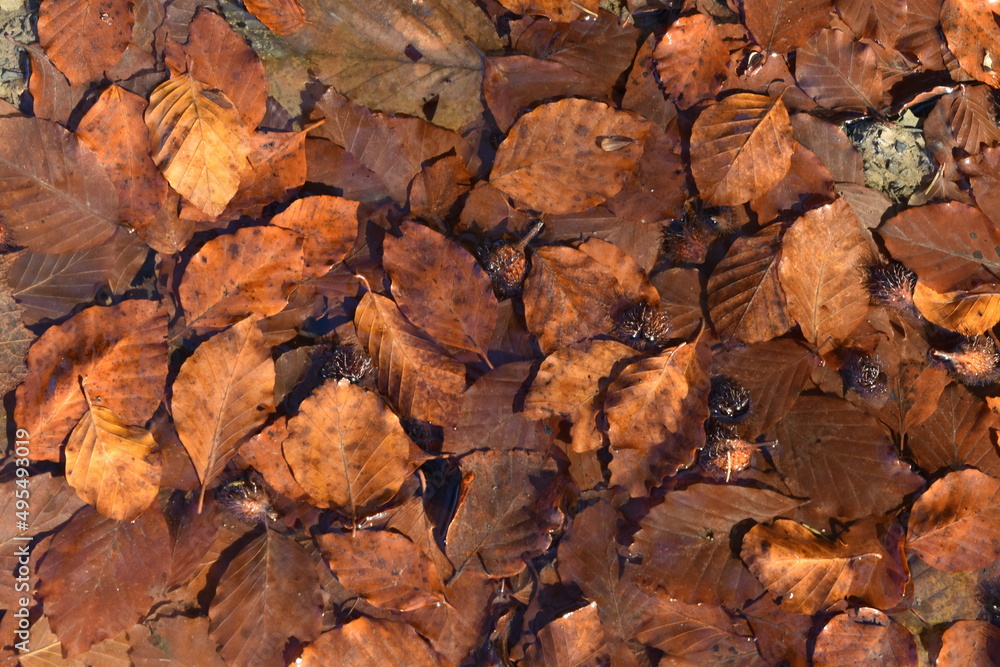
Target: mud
[895,156]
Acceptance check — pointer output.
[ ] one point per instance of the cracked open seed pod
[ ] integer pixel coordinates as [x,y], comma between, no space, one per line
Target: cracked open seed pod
[507,264]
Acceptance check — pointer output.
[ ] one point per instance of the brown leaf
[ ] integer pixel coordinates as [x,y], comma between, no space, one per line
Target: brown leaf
[780,635]
[699,635]
[782,25]
[834,454]
[329,226]
[539,163]
[575,638]
[277,170]
[812,573]
[572,377]
[685,547]
[740,148]
[282,17]
[830,143]
[557,10]
[839,73]
[52,96]
[946,245]
[419,379]
[691,60]
[969,313]
[384,568]
[385,56]
[84,37]
[269,593]
[969,643]
[240,274]
[122,353]
[114,130]
[170,637]
[199,141]
[56,196]
[222,394]
[971,32]
[650,397]
[824,292]
[364,642]
[745,297]
[14,343]
[954,524]
[502,518]
[95,579]
[970,117]
[864,636]
[807,184]
[223,61]
[486,418]
[882,19]
[112,465]
[393,149]
[568,297]
[346,449]
[441,288]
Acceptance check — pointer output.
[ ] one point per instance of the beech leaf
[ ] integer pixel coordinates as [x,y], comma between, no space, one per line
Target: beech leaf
[84,37]
[969,313]
[865,636]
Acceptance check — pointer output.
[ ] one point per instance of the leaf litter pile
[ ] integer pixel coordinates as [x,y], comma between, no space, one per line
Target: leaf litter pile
[437,333]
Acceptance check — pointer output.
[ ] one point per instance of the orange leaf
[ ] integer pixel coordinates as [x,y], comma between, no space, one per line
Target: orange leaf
[200,141]
[969,313]
[958,432]
[864,636]
[969,643]
[222,394]
[740,148]
[329,226]
[823,290]
[556,158]
[557,10]
[955,524]
[364,642]
[384,568]
[839,73]
[282,17]
[780,26]
[416,375]
[691,60]
[111,465]
[575,638]
[441,288]
[346,449]
[812,573]
[84,37]
[972,34]
[240,274]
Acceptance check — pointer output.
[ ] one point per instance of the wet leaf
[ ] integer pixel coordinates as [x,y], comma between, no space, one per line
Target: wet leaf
[969,313]
[222,394]
[328,226]
[953,524]
[415,374]
[699,634]
[740,148]
[839,73]
[392,59]
[572,639]
[539,162]
[14,343]
[782,25]
[56,196]
[84,37]
[200,141]
[502,518]
[691,60]
[269,593]
[969,643]
[347,449]
[363,642]
[95,579]
[441,288]
[971,31]
[863,636]
[282,17]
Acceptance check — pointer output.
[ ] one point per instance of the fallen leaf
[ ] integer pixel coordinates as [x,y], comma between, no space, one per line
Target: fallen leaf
[823,290]
[222,394]
[575,638]
[780,26]
[557,10]
[56,196]
[839,73]
[84,37]
[347,449]
[282,17]
[95,578]
[269,593]
[740,148]
[691,60]
[112,465]
[384,568]
[970,30]
[812,573]
[363,642]
[414,373]
[441,288]
[538,164]
[200,141]
[864,636]
[698,634]
[328,226]
[953,524]
[14,343]
[969,643]
[425,64]
[969,313]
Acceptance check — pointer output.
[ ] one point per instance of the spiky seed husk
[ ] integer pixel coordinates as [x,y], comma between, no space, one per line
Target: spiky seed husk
[641,325]
[890,284]
[864,375]
[347,363]
[728,400]
[246,498]
[507,266]
[725,453]
[975,360]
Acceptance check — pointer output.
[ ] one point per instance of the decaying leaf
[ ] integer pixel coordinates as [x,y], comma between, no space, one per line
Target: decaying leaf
[969,313]
[84,37]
